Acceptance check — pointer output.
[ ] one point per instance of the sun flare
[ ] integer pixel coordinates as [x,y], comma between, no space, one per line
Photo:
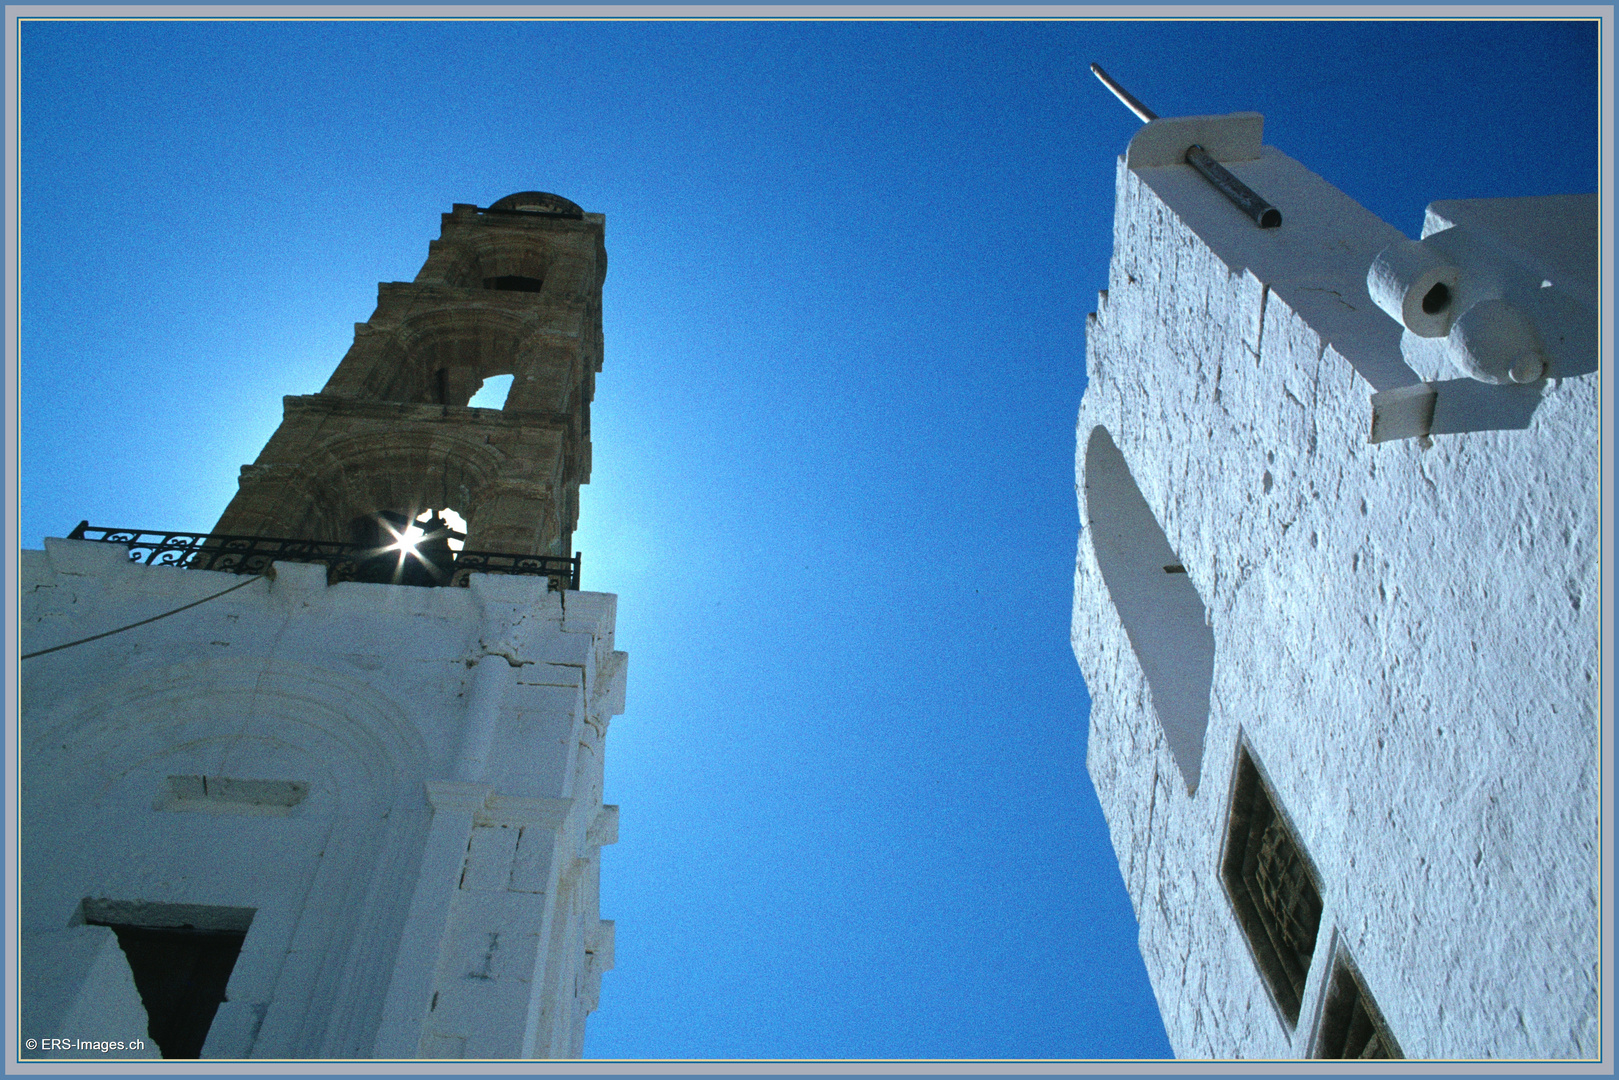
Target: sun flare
[406,541]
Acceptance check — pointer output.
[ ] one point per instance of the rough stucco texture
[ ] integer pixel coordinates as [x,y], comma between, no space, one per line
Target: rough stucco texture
[1405,638]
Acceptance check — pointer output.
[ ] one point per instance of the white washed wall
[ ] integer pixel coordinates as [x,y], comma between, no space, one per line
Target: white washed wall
[1406,634]
[429,886]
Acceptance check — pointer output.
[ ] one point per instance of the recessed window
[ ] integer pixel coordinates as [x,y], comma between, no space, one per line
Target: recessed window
[1163,615]
[513,282]
[404,549]
[181,956]
[229,795]
[1351,1025]
[1272,888]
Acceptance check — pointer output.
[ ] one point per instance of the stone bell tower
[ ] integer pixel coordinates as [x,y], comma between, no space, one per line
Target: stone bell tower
[514,289]
[361,809]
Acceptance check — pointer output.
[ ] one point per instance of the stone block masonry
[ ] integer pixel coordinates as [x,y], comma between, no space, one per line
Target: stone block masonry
[503,292]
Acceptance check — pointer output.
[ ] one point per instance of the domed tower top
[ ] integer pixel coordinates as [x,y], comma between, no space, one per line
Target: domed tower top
[539,202]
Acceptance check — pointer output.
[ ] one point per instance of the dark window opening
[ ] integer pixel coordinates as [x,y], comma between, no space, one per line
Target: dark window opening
[181,973]
[512,283]
[453,385]
[401,557]
[1272,888]
[1351,1025]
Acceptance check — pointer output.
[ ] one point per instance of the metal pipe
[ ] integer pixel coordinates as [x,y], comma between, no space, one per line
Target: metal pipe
[1123,95]
[1241,195]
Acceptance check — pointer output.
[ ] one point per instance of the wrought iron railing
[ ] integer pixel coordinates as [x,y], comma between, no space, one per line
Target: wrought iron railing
[344,562]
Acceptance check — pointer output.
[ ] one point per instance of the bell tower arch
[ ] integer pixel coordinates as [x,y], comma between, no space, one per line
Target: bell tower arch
[369,813]
[515,289]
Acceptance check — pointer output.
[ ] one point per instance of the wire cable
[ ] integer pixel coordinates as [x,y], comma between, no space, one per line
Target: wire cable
[143,622]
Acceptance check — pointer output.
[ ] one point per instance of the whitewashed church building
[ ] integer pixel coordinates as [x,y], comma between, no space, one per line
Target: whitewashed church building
[1337,602]
[326,781]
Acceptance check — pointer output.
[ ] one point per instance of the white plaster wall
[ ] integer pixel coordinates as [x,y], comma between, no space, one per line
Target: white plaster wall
[85,992]
[364,693]
[1406,636]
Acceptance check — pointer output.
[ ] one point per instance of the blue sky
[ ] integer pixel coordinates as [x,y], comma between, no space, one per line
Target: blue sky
[834,436]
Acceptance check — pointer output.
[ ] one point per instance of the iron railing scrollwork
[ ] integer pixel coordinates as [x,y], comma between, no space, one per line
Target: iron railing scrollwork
[344,562]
